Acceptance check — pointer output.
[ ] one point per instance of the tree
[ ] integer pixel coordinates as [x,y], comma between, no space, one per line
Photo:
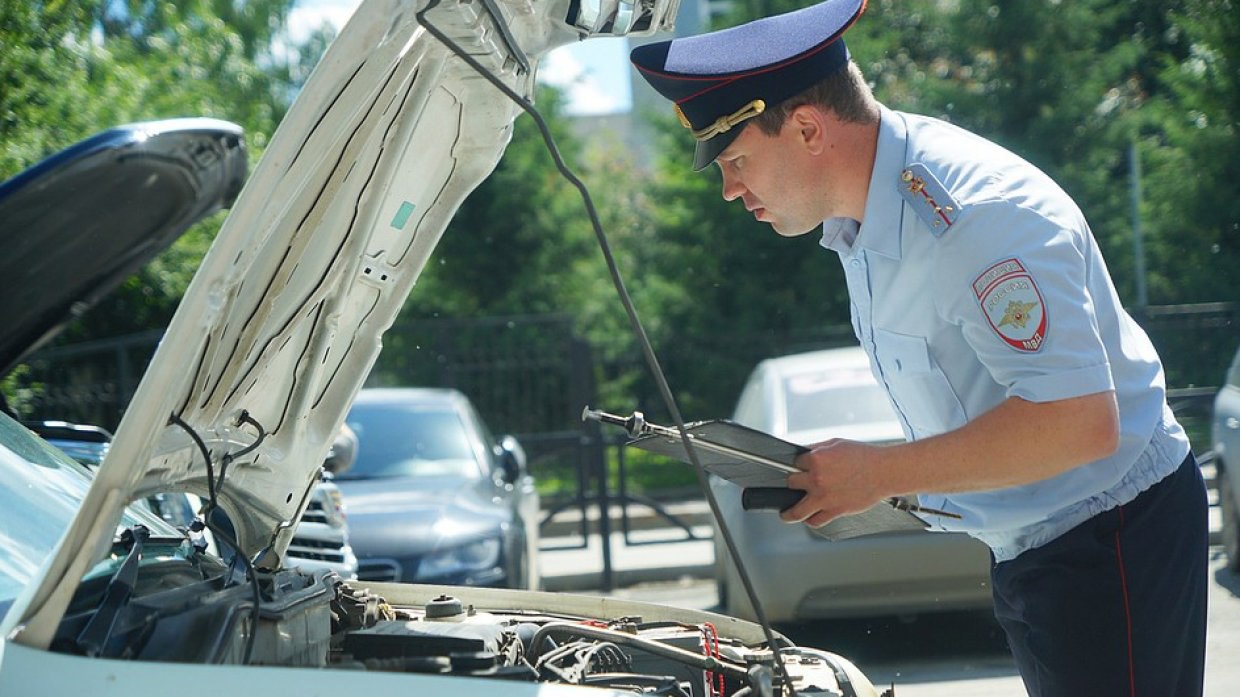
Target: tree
[44,69]
[79,68]
[1190,144]
[522,244]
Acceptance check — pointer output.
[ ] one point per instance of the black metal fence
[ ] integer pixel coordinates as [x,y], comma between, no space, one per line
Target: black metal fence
[88,383]
[532,375]
[1196,342]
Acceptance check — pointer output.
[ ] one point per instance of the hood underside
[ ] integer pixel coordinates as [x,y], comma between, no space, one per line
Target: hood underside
[284,318]
[78,223]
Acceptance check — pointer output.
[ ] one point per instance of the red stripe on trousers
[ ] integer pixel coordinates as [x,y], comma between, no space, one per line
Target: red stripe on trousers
[1123,582]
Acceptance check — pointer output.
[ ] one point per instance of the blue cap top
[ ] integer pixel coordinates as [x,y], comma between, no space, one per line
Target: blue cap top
[719,80]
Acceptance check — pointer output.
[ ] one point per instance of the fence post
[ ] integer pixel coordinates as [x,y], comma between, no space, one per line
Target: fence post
[595,455]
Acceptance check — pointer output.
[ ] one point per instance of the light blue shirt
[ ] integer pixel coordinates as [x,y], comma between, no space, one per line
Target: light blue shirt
[975,278]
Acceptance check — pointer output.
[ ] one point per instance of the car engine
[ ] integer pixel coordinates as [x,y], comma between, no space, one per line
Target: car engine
[316,620]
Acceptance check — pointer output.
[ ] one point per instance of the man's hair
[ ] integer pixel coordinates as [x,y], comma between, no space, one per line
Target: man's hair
[844,92]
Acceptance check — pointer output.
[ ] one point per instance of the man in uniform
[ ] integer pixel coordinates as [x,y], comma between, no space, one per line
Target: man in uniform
[1034,406]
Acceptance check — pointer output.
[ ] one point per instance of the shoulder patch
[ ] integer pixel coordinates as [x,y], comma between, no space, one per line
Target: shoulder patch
[924,193]
[1013,305]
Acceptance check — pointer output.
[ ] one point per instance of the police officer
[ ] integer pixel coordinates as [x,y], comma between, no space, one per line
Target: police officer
[1034,406]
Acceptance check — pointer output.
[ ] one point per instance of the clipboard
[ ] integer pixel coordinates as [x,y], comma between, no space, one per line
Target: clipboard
[750,458]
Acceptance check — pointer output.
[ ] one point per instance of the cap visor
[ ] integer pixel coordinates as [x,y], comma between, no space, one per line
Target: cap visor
[707,150]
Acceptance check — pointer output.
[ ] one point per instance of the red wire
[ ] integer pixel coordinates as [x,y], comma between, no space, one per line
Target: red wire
[710,644]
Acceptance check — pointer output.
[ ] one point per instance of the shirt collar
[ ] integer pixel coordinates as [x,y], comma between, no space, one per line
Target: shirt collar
[880,231]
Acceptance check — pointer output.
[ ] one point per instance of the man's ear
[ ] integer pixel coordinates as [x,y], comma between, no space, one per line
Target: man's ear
[810,124]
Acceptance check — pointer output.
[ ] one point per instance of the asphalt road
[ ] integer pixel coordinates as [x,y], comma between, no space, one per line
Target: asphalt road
[962,654]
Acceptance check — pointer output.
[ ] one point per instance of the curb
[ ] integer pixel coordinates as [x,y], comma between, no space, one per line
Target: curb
[567,522]
[650,556]
[621,578]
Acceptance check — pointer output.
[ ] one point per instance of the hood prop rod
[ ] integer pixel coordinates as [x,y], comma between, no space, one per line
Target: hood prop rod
[635,324]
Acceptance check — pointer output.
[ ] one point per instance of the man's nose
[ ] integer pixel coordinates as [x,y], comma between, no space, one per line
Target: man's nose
[732,188]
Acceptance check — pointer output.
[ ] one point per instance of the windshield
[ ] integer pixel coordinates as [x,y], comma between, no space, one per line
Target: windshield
[401,440]
[40,491]
[841,397]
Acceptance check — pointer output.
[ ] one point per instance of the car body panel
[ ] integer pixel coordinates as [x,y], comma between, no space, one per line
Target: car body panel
[1225,440]
[49,673]
[886,574]
[89,216]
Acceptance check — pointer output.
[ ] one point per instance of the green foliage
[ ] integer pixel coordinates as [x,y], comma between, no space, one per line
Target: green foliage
[45,63]
[78,68]
[1069,85]
[1191,146]
[513,245]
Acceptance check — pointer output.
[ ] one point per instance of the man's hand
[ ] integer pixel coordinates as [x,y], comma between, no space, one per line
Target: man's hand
[837,481]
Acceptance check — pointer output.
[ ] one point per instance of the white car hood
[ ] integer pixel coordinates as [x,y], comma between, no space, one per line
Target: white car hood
[284,318]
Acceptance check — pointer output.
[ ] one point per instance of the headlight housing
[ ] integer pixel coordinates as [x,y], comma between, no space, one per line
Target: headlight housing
[475,556]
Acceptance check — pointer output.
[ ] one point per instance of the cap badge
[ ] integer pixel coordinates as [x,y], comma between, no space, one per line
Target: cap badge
[723,124]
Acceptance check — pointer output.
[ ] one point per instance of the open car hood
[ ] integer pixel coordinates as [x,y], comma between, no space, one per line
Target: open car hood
[282,321]
[78,223]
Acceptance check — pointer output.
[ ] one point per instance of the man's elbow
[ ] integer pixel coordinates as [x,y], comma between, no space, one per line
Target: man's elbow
[1101,417]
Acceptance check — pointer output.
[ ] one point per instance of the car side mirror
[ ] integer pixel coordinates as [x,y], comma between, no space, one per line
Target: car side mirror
[343,451]
[511,457]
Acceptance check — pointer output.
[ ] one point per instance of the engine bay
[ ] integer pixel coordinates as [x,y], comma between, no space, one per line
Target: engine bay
[316,620]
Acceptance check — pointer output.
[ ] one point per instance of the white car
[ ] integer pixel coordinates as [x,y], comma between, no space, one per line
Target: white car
[252,381]
[807,398]
[322,537]
[1225,436]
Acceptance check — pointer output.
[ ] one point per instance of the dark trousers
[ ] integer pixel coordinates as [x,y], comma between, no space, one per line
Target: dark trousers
[1117,605]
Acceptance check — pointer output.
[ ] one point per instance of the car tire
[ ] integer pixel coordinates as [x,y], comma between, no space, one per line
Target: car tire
[1231,517]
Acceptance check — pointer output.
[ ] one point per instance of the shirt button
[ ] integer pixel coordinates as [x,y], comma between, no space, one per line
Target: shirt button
[856,263]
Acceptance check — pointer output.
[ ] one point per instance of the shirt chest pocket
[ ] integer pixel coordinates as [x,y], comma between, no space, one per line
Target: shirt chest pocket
[917,385]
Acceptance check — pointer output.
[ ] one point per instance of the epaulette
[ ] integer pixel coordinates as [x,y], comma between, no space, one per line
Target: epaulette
[929,198]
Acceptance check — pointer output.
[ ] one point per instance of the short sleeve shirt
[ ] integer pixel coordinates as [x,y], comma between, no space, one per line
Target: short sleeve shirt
[975,278]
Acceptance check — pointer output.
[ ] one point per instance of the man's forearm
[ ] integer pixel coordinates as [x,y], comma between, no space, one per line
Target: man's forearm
[1017,442]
